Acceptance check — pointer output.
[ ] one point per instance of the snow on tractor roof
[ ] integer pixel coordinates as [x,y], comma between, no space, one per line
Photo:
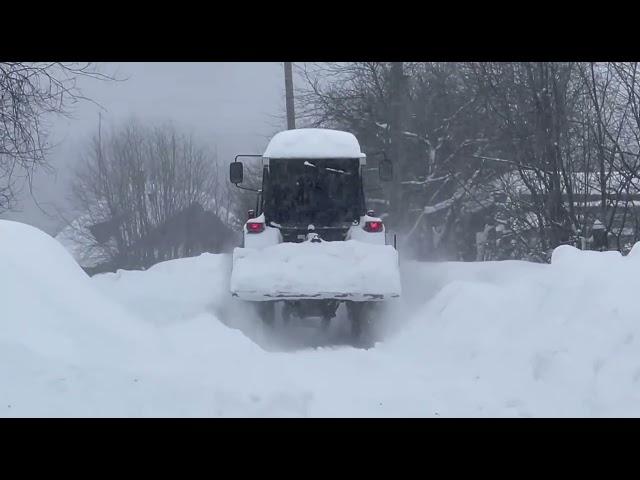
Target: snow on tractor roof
[313,143]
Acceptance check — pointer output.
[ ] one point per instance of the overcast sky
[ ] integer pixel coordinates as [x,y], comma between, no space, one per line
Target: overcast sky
[234,106]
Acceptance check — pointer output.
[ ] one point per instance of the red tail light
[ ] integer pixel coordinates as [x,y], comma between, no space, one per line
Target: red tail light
[255,227]
[373,227]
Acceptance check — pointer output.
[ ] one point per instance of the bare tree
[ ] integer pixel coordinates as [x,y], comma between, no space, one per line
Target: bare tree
[612,145]
[432,113]
[29,94]
[627,145]
[136,180]
[534,103]
[537,151]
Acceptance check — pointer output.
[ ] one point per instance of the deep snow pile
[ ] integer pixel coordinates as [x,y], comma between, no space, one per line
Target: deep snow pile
[49,305]
[510,338]
[477,339]
[64,347]
[469,339]
[171,291]
[351,269]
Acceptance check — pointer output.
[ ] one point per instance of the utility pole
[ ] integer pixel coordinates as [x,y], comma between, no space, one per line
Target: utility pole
[398,116]
[288,85]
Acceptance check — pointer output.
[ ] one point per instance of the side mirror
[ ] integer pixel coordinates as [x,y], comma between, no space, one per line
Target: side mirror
[236,172]
[385,170]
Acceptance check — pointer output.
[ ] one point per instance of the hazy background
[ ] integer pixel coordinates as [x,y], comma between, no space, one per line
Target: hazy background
[234,107]
[485,169]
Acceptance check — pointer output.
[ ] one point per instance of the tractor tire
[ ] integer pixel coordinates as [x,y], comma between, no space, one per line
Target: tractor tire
[362,323]
[267,313]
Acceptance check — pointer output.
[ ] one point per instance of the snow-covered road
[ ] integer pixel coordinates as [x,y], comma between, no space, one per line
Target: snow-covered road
[474,339]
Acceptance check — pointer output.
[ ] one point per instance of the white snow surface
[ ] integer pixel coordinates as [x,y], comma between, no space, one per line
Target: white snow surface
[350,269]
[313,143]
[505,339]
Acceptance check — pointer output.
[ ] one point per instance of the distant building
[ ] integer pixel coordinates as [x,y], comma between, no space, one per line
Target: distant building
[188,233]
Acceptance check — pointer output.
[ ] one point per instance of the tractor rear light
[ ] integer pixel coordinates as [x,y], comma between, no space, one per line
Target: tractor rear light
[255,227]
[373,227]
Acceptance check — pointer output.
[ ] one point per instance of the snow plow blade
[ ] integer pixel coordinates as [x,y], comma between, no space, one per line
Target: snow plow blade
[348,270]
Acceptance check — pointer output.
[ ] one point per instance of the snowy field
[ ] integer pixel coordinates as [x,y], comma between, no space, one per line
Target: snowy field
[507,339]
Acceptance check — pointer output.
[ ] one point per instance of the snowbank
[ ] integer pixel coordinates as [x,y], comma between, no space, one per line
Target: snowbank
[469,339]
[554,340]
[171,291]
[313,143]
[65,349]
[49,304]
[352,270]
